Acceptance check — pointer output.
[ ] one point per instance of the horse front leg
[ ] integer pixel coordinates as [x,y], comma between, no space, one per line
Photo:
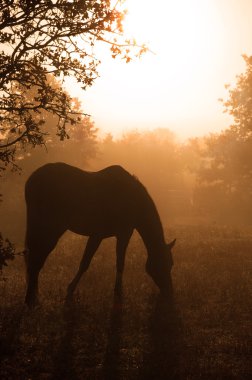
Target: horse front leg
[121,246]
[91,247]
[41,238]
[31,297]
[35,260]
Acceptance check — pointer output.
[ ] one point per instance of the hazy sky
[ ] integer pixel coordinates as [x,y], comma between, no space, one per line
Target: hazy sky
[198,46]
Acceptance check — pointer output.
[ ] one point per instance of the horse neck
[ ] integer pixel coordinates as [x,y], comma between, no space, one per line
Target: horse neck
[148,223]
[151,231]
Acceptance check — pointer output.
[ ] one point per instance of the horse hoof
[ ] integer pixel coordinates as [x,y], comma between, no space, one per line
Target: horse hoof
[31,304]
[118,291]
[69,296]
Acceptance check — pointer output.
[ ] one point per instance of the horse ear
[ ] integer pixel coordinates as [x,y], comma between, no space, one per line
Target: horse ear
[171,244]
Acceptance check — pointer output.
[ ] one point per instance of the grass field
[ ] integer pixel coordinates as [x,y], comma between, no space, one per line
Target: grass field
[205,334]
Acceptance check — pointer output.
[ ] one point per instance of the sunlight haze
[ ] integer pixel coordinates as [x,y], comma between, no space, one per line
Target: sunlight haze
[197,47]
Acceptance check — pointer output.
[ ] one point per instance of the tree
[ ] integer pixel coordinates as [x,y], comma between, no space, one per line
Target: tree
[239,102]
[56,37]
[225,176]
[7,252]
[77,149]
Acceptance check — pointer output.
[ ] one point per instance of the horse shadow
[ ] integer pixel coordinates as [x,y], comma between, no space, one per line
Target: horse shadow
[161,350]
[63,362]
[111,366]
[162,354]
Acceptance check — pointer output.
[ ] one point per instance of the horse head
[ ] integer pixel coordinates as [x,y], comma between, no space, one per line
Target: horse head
[159,268]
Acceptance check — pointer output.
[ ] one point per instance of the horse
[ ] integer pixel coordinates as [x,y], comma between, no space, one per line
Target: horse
[102,204]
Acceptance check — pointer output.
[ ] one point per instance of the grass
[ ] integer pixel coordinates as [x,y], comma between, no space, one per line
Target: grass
[206,334]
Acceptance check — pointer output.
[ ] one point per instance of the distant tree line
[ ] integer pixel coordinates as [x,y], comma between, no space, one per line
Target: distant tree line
[225,174]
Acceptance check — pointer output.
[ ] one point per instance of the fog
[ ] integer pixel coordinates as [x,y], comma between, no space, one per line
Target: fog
[202,180]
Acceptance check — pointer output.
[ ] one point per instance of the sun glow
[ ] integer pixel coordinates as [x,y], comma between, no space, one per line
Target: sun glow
[175,85]
[184,34]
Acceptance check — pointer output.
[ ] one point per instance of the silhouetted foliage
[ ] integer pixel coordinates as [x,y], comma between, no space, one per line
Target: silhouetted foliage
[77,148]
[7,251]
[239,103]
[42,37]
[225,174]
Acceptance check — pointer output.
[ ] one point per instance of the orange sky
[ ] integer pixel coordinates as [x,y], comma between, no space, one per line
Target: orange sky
[198,46]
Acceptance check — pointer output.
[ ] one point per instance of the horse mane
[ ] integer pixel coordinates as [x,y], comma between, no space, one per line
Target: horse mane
[149,210]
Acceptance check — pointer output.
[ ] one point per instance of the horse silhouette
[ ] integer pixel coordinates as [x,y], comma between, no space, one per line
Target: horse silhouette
[110,202]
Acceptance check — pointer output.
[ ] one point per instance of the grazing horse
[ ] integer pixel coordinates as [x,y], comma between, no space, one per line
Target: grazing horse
[110,202]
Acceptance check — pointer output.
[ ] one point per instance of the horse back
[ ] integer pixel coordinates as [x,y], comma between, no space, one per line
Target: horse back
[83,201]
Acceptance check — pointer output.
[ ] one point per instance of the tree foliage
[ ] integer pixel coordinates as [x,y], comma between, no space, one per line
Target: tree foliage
[7,251]
[239,102]
[225,174]
[56,37]
[77,148]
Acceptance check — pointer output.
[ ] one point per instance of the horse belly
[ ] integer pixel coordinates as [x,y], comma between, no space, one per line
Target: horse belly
[102,220]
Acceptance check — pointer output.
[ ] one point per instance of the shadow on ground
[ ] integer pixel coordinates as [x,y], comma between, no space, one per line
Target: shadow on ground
[162,354]
[100,353]
[64,359]
[111,366]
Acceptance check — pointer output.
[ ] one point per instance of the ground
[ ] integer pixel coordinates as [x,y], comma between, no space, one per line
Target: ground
[205,333]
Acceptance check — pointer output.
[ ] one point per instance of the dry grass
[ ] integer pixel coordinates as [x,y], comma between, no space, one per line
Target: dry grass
[206,334]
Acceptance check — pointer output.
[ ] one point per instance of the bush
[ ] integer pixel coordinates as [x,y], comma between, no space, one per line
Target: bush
[7,252]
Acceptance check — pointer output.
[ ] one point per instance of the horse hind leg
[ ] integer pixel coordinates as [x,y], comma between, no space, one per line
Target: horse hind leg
[32,273]
[35,259]
[91,247]
[121,246]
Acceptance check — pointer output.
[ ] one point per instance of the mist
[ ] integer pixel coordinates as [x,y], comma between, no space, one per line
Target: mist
[191,182]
